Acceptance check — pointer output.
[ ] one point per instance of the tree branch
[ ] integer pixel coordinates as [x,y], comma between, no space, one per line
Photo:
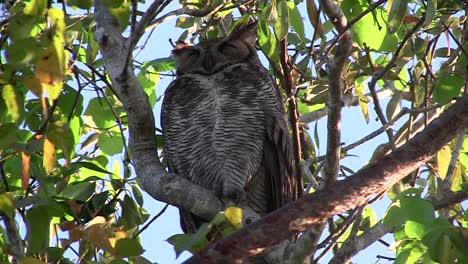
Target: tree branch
[335,88]
[353,191]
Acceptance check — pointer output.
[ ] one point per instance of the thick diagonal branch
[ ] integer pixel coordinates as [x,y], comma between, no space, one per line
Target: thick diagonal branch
[341,196]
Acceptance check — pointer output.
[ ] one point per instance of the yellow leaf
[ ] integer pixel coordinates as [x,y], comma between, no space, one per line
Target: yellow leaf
[34,85]
[52,66]
[443,161]
[25,158]
[49,159]
[35,7]
[234,216]
[11,100]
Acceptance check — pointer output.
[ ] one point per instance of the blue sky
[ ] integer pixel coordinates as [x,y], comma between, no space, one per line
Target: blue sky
[354,127]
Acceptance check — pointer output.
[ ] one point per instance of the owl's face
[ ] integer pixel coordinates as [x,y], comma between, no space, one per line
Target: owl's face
[211,56]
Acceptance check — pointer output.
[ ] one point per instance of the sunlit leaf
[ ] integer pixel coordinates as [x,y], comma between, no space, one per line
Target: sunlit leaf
[49,158]
[443,161]
[234,216]
[11,99]
[267,41]
[369,31]
[161,64]
[35,7]
[282,24]
[110,143]
[121,12]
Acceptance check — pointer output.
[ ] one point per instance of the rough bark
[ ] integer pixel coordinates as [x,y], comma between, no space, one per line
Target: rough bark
[341,196]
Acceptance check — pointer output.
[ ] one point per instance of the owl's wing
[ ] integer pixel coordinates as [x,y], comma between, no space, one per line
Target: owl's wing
[278,155]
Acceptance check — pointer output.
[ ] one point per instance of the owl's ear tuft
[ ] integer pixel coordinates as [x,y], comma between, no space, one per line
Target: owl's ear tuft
[247,33]
[180,48]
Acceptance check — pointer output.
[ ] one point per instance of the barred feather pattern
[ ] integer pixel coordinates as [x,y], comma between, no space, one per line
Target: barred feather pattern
[226,130]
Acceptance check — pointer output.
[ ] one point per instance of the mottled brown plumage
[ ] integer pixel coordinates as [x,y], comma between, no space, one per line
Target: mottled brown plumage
[225,126]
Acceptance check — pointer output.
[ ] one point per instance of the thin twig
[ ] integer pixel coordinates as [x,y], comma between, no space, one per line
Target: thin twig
[379,131]
[380,74]
[152,220]
[140,27]
[195,12]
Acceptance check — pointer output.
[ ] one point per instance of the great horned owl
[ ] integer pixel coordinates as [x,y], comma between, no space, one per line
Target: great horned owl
[225,127]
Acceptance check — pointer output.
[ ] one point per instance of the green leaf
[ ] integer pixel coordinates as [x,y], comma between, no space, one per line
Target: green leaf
[439,246]
[190,242]
[98,114]
[92,48]
[37,220]
[415,229]
[20,26]
[99,200]
[267,41]
[359,89]
[430,12]
[128,247]
[314,18]
[417,209]
[92,166]
[131,216]
[23,52]
[368,31]
[61,136]
[67,102]
[35,7]
[110,143]
[80,191]
[394,215]
[270,14]
[369,219]
[148,81]
[396,10]
[282,24]
[121,11]
[137,195]
[185,22]
[393,106]
[6,205]
[447,86]
[411,253]
[161,64]
[8,135]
